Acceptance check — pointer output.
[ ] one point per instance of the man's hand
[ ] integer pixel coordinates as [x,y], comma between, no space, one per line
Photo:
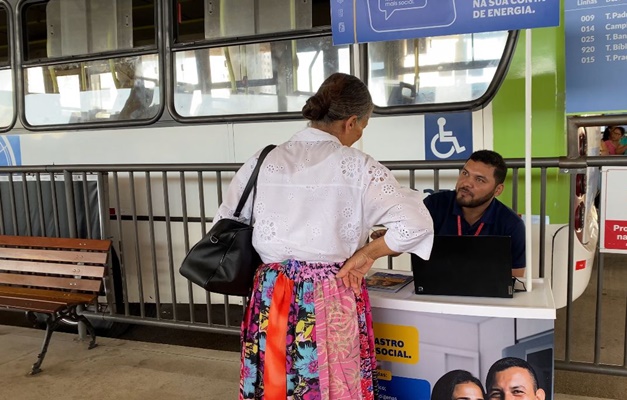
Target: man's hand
[354,270]
[518,272]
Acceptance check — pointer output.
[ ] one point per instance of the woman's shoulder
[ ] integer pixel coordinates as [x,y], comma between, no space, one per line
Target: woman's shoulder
[356,154]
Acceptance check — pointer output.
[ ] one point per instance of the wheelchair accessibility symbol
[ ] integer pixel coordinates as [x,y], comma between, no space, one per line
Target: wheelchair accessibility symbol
[452,139]
[445,137]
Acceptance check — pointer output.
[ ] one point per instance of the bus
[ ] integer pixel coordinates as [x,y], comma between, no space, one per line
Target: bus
[137,84]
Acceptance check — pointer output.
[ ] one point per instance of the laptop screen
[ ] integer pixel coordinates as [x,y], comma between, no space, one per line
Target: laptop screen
[478,266]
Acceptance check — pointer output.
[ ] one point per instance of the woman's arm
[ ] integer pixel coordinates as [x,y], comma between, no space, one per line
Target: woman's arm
[621,149]
[357,266]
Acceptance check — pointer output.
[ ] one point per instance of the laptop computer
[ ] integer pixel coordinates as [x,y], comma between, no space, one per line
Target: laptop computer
[479,266]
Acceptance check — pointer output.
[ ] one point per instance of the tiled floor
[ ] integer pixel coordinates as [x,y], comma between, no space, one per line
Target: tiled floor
[118,369]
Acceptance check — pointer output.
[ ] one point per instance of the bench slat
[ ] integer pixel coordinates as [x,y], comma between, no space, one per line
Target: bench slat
[31,305]
[47,294]
[52,268]
[54,255]
[51,282]
[59,243]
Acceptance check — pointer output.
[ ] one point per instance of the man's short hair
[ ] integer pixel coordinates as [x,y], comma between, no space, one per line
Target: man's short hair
[494,159]
[506,363]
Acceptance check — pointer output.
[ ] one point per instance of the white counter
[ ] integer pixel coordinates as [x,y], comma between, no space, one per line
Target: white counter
[537,304]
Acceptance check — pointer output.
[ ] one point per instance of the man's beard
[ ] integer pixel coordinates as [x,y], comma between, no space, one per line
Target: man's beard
[472,202]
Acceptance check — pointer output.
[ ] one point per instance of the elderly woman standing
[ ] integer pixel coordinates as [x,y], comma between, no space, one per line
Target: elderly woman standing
[307,329]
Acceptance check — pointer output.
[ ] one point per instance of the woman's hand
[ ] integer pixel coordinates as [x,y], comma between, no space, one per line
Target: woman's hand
[356,267]
[377,234]
[354,270]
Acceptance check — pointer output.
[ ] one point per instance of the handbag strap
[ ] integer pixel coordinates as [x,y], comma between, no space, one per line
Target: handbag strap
[252,182]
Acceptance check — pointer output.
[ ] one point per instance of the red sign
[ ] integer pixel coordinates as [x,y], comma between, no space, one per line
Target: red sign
[581,264]
[613,227]
[615,234]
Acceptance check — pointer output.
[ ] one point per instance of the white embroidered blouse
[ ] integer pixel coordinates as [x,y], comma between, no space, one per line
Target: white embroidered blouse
[317,201]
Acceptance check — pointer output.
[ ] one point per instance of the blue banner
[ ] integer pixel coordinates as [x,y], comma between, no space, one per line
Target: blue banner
[356,21]
[10,152]
[399,388]
[596,56]
[448,136]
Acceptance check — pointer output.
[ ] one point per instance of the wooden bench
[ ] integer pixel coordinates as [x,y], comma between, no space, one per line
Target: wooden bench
[52,276]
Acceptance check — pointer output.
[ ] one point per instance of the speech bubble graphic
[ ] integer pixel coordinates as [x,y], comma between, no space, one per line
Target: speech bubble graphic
[420,14]
[389,7]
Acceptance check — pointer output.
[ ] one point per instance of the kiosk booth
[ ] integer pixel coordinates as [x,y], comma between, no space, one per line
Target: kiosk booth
[418,338]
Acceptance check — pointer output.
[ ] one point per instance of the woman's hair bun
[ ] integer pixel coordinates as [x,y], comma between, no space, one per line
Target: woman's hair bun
[315,108]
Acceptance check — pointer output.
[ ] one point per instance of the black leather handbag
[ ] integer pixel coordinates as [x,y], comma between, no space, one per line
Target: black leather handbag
[224,260]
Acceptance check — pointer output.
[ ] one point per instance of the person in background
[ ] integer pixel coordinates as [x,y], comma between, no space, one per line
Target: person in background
[307,328]
[458,385]
[472,208]
[614,141]
[513,378]
[622,143]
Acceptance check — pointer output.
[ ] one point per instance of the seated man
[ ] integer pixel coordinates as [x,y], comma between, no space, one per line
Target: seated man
[472,208]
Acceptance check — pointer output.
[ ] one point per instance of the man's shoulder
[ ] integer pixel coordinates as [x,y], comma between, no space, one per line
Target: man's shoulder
[442,195]
[506,215]
[439,199]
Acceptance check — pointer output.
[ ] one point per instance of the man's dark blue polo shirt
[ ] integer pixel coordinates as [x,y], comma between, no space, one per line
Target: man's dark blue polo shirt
[498,220]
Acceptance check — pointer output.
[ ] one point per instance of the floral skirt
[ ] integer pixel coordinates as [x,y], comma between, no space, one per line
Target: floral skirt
[306,336]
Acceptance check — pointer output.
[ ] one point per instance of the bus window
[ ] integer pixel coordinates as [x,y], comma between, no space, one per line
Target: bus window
[446,69]
[117,76]
[6,76]
[100,90]
[244,57]
[258,78]
[59,28]
[216,19]
[4,37]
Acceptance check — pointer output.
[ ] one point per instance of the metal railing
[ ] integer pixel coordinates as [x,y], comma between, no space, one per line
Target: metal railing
[154,213]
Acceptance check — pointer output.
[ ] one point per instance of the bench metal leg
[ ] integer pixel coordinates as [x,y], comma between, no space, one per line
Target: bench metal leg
[72,314]
[32,318]
[81,325]
[90,330]
[51,324]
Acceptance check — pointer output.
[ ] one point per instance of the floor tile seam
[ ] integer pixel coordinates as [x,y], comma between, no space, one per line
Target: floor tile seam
[197,356]
[128,345]
[19,357]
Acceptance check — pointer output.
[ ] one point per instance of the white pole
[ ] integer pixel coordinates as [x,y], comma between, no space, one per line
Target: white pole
[528,222]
